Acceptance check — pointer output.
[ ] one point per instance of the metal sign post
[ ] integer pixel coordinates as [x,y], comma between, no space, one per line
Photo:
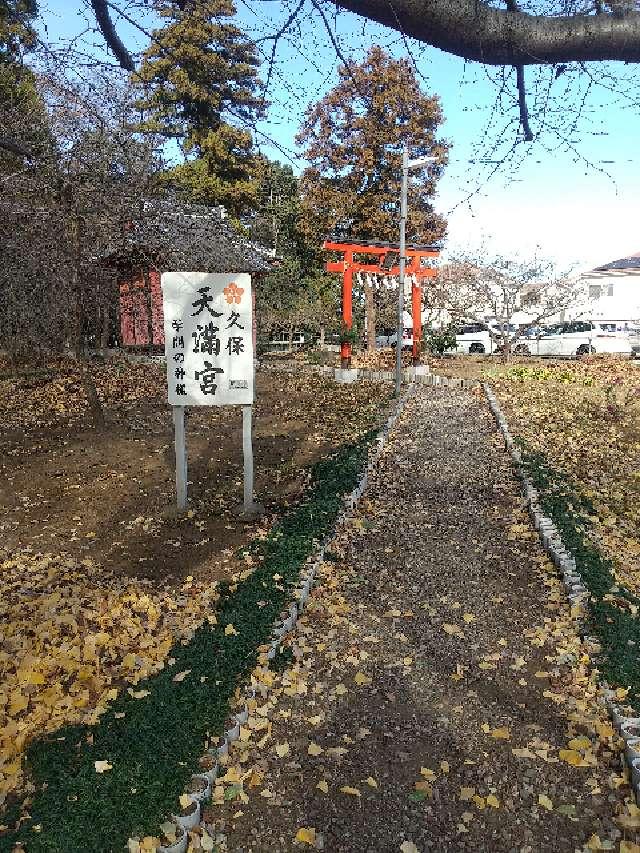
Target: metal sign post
[247,456]
[181,457]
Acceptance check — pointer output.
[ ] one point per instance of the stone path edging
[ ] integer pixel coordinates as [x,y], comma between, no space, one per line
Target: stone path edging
[577,592]
[283,627]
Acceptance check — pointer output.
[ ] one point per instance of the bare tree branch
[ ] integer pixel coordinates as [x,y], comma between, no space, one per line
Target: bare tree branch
[475,31]
[101,11]
[512,6]
[522,104]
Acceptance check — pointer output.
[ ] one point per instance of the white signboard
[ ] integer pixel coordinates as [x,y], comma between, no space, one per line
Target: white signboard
[208,338]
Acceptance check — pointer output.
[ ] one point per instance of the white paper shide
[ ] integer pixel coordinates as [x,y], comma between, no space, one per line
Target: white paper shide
[208,338]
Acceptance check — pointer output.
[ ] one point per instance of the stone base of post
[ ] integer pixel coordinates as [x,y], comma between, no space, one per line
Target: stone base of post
[345,376]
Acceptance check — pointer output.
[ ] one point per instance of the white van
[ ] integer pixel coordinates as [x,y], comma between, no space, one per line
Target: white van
[578,338]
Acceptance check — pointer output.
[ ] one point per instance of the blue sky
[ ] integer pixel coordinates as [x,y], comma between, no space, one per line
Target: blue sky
[550,203]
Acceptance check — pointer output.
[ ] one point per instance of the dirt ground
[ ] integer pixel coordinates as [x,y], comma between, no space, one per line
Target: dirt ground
[440,698]
[109,494]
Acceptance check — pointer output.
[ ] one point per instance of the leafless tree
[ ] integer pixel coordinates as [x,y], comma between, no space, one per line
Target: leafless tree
[58,211]
[518,295]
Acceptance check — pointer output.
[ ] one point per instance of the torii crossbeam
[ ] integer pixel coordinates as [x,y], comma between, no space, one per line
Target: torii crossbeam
[388,258]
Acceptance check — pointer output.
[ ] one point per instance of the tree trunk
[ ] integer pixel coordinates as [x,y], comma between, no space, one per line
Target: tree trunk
[321,341]
[89,385]
[88,382]
[370,308]
[78,308]
[104,336]
[290,346]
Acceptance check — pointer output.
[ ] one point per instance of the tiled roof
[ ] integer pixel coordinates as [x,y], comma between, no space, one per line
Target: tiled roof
[173,235]
[630,263]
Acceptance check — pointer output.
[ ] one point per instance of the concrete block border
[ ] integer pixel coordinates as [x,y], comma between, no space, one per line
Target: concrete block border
[284,625]
[410,375]
[627,727]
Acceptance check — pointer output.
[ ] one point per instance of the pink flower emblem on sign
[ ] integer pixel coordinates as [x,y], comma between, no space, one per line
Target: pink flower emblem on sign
[233,293]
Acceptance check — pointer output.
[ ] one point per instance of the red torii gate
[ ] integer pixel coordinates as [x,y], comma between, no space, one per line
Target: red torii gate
[388,260]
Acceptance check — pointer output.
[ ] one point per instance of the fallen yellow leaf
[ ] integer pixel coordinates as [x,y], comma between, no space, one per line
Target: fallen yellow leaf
[306,836]
[572,757]
[137,694]
[545,802]
[501,733]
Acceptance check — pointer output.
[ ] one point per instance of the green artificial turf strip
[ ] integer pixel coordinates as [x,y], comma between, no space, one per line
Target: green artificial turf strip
[155,747]
[615,627]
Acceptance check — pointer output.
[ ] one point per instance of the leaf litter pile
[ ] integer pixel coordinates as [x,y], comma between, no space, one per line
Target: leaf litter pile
[578,427]
[435,694]
[107,682]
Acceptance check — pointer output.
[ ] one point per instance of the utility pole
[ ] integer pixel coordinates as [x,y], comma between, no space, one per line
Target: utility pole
[403,229]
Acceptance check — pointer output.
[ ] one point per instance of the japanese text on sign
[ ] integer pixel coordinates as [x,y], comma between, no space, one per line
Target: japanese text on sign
[208,338]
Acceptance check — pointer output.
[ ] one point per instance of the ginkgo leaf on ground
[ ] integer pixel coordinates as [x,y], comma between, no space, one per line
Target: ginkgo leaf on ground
[306,835]
[545,802]
[180,676]
[502,733]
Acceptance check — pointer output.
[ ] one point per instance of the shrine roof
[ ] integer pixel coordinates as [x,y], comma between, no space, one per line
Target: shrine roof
[171,234]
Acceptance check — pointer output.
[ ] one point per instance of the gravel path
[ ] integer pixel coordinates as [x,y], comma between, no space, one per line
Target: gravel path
[438,679]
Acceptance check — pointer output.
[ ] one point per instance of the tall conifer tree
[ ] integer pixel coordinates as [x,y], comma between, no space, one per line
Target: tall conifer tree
[200,86]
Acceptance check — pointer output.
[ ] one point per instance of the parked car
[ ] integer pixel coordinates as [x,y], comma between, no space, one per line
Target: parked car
[474,338]
[575,339]
[407,339]
[383,338]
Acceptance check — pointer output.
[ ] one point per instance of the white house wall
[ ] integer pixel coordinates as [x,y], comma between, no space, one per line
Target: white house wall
[619,300]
